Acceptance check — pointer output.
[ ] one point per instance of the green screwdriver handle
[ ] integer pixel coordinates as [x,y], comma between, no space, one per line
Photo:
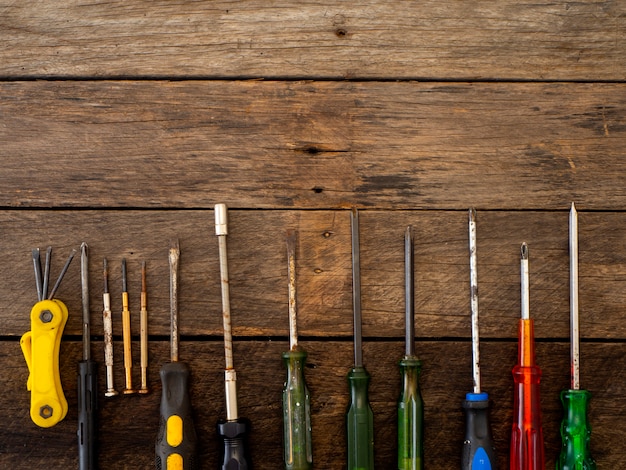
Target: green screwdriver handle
[360,420]
[410,417]
[575,432]
[296,413]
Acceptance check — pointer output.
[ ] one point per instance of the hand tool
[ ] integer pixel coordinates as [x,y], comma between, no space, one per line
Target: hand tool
[176,444]
[108,333]
[128,357]
[46,273]
[41,346]
[296,398]
[527,449]
[87,380]
[478,451]
[410,405]
[143,332]
[38,280]
[575,429]
[234,429]
[360,418]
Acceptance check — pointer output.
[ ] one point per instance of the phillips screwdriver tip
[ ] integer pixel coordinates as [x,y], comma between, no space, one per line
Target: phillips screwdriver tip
[524,251]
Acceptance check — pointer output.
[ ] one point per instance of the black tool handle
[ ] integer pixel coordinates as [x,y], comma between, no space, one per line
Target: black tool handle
[478,449]
[176,444]
[87,410]
[234,435]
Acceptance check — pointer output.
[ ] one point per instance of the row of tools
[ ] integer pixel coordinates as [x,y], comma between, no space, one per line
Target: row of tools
[176,443]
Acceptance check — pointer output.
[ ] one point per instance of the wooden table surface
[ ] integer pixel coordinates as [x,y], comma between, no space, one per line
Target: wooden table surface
[123,123]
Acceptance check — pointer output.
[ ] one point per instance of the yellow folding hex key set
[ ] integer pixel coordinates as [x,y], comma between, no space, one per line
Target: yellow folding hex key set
[41,346]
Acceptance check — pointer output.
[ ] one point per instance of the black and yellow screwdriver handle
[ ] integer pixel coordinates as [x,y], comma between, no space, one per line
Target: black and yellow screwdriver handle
[176,447]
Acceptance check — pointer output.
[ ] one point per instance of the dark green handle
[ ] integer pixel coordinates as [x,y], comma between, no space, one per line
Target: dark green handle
[410,417]
[176,440]
[575,432]
[87,409]
[234,436]
[296,414]
[360,420]
[478,450]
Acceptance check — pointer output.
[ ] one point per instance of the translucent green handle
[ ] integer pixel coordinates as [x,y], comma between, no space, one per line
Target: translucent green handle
[360,422]
[296,414]
[410,417]
[575,432]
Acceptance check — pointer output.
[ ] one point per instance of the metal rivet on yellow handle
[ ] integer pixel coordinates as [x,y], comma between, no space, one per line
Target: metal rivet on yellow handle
[174,431]
[174,462]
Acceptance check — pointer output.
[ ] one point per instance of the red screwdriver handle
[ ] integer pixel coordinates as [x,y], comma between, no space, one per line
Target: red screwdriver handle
[527,448]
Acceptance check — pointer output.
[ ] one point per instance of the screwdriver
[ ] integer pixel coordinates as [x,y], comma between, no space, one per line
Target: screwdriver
[108,333]
[410,405]
[360,418]
[143,332]
[234,429]
[296,399]
[176,439]
[128,357]
[527,450]
[575,429]
[87,380]
[478,451]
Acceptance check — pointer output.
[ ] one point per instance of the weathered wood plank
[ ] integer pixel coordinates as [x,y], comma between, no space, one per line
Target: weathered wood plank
[128,424]
[258,270]
[312,145]
[365,39]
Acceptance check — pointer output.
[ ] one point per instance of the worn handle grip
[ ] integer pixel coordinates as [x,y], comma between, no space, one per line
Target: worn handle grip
[176,445]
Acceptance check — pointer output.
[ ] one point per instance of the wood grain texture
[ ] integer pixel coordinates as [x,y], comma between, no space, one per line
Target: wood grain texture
[149,113]
[129,424]
[258,270]
[312,145]
[366,39]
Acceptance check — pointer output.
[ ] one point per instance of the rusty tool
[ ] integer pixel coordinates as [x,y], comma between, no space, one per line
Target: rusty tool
[108,334]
